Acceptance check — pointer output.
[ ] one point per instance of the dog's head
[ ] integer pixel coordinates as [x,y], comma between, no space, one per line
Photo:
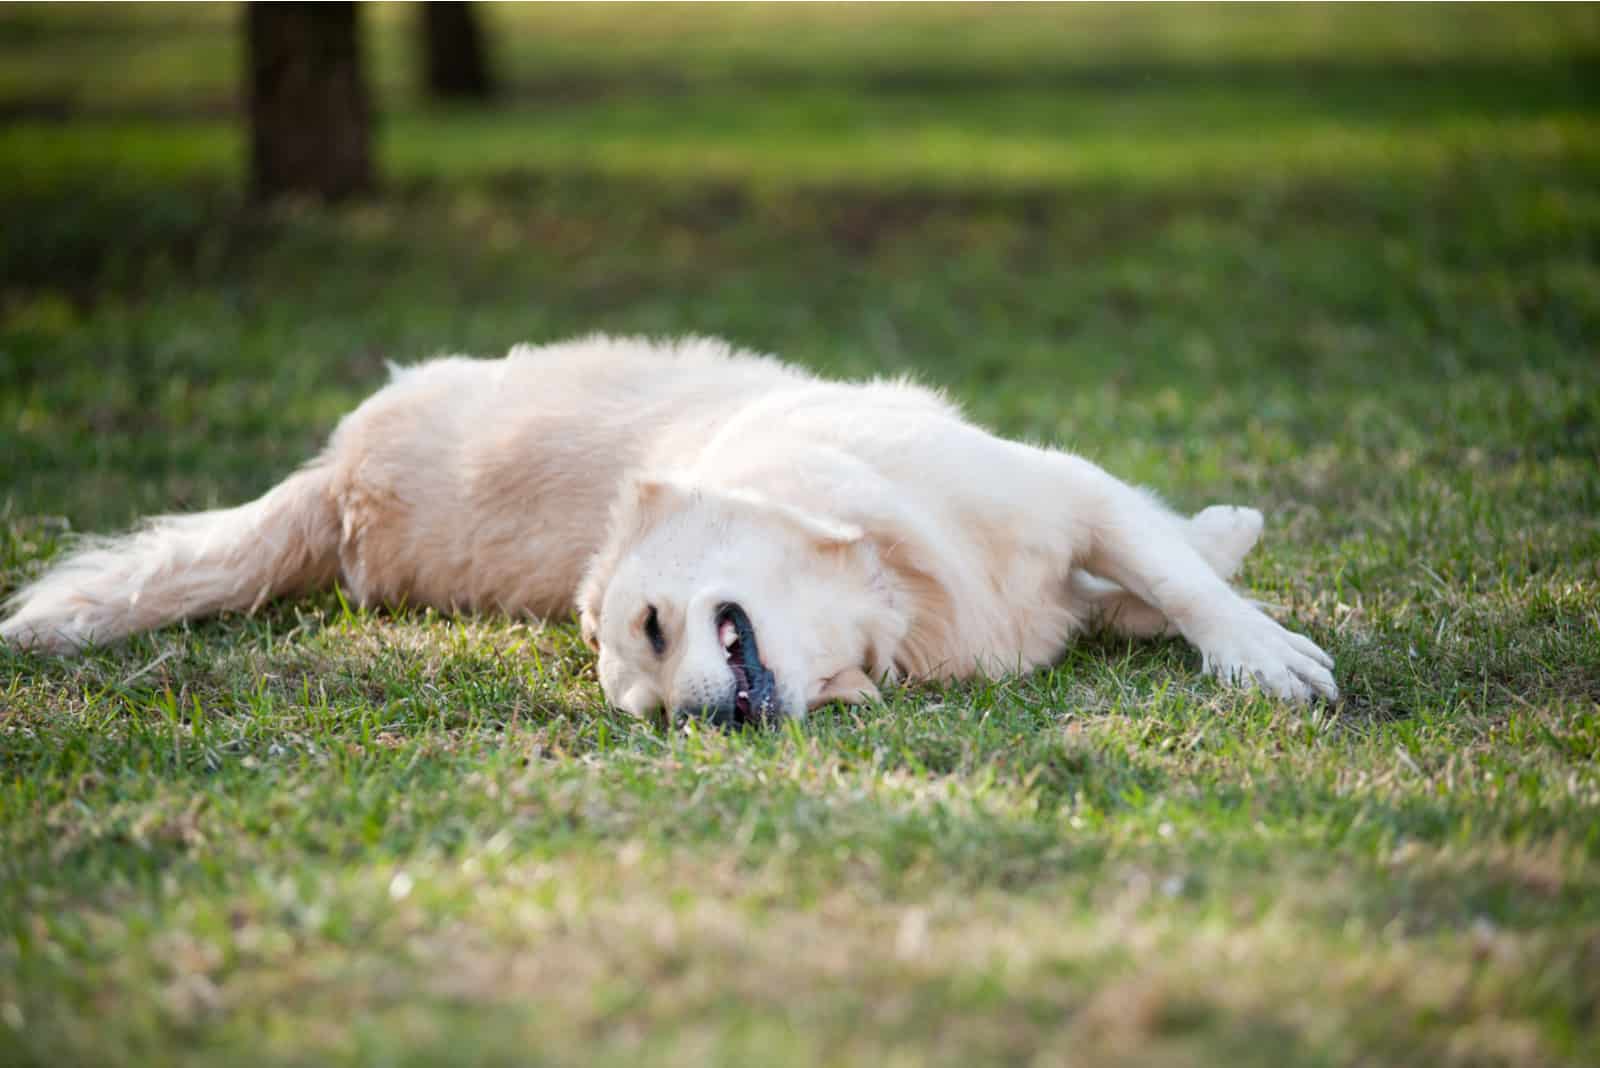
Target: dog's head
[728,605]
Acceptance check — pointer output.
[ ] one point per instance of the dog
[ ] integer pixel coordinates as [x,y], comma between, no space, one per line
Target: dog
[740,539]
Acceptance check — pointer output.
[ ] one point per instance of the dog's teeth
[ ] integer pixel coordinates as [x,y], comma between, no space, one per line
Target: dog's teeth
[744,695]
[729,635]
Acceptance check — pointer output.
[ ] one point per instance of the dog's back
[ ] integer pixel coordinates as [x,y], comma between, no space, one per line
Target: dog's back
[464,483]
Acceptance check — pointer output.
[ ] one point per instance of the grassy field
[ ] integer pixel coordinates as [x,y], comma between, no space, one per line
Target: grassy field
[1340,264]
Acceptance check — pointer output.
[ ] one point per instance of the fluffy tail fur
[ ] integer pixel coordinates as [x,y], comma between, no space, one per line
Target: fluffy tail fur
[182,566]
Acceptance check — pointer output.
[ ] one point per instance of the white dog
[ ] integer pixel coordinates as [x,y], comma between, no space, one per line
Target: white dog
[739,538]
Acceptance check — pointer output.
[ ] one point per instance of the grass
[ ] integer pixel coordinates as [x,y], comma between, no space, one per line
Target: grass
[1341,264]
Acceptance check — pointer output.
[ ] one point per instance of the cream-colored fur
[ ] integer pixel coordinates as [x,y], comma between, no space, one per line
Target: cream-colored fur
[868,531]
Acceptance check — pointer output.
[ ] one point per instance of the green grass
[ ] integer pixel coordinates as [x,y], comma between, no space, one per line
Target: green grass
[1343,264]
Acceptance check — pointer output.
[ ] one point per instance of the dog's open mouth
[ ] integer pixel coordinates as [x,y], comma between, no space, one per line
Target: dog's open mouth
[755,687]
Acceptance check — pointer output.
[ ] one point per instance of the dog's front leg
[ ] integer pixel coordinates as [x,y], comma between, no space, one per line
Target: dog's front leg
[1123,534]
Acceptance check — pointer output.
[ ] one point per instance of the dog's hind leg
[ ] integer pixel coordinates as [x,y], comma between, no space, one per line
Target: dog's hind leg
[1222,534]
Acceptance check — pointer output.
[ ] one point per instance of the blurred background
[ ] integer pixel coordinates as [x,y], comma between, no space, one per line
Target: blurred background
[1200,243]
[1339,262]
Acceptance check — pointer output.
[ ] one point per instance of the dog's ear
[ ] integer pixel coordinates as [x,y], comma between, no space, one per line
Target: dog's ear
[825,532]
[641,504]
[646,501]
[850,686]
[589,623]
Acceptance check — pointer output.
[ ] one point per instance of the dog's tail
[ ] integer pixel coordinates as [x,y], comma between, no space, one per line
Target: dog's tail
[181,566]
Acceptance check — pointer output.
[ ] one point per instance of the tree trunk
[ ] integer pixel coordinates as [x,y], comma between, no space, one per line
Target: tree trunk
[310,119]
[456,61]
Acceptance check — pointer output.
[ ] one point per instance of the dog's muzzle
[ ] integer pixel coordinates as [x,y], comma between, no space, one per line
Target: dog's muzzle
[752,696]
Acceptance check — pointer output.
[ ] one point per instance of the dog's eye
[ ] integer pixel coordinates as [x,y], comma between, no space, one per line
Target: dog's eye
[652,630]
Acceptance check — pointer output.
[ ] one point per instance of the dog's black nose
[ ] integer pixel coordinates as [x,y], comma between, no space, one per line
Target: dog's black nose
[723,717]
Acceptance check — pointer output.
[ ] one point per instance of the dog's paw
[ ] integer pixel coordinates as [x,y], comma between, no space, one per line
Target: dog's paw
[1255,650]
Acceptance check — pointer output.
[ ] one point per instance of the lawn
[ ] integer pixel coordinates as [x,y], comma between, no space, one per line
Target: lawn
[1340,264]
